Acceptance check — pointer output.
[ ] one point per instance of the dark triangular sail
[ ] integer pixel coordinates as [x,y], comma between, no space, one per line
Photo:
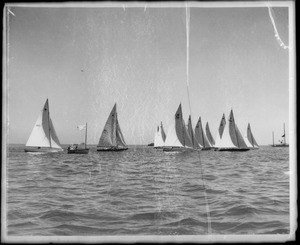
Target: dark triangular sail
[200,136]
[209,135]
[222,125]
[180,129]
[236,136]
[108,136]
[191,132]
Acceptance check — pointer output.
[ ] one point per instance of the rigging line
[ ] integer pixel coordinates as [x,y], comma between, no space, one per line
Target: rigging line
[188,93]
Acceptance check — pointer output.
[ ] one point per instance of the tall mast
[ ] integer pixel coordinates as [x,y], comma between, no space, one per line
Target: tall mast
[85,135]
[273,137]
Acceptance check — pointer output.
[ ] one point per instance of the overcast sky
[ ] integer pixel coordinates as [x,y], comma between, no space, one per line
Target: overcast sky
[84,59]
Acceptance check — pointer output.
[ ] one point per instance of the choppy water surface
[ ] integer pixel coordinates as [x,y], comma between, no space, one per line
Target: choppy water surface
[143,191]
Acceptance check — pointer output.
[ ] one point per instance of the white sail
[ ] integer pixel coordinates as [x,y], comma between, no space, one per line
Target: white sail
[163,134]
[247,142]
[172,139]
[231,137]
[43,133]
[177,134]
[158,139]
[251,137]
[224,141]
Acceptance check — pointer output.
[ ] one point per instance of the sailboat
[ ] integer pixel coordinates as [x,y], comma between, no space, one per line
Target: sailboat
[209,135]
[178,138]
[200,136]
[231,138]
[43,137]
[191,133]
[112,138]
[159,137]
[75,148]
[282,142]
[250,140]
[220,131]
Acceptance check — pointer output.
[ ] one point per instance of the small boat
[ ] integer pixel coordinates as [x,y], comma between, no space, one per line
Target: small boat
[43,137]
[209,135]
[200,136]
[178,139]
[79,149]
[159,137]
[112,138]
[231,138]
[250,140]
[283,141]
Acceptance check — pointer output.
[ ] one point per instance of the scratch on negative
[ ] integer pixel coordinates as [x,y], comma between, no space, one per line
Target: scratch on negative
[281,43]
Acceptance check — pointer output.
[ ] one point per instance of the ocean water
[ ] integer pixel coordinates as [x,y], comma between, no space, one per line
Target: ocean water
[144,191]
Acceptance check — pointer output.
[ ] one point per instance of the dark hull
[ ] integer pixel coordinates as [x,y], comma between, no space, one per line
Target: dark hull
[112,149]
[177,149]
[78,151]
[206,149]
[232,149]
[280,145]
[41,150]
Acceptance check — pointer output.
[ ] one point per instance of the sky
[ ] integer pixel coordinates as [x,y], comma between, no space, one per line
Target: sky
[85,58]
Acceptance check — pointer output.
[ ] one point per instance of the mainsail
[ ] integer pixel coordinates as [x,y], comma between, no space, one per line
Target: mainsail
[43,133]
[158,138]
[220,130]
[250,137]
[177,135]
[209,135]
[163,134]
[191,133]
[235,133]
[200,136]
[112,135]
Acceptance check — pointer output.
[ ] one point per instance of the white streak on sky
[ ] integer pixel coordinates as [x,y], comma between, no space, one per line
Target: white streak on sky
[10,11]
[281,43]
[187,14]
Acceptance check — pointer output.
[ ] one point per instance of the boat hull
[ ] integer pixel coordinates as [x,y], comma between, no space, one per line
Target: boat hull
[177,149]
[280,145]
[42,150]
[78,151]
[112,149]
[232,149]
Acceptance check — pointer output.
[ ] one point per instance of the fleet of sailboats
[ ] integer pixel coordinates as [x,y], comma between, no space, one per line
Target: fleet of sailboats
[180,137]
[112,138]
[43,137]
